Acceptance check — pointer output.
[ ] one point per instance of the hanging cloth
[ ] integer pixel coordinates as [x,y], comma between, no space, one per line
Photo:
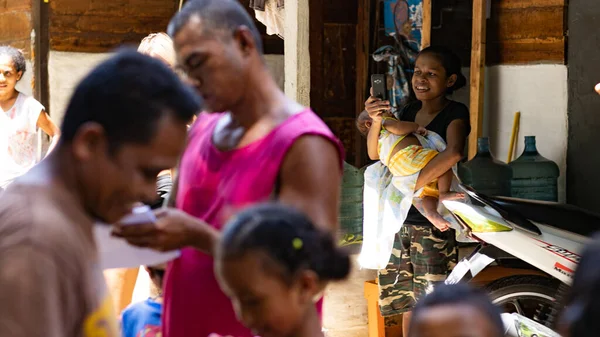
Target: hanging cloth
[272,15]
[260,5]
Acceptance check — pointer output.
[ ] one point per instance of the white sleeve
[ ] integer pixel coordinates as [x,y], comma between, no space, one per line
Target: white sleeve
[33,108]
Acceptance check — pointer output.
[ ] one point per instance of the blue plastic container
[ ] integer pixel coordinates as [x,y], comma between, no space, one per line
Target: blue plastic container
[534,177]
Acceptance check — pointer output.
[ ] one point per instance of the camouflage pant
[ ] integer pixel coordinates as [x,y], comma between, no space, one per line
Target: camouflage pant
[422,256]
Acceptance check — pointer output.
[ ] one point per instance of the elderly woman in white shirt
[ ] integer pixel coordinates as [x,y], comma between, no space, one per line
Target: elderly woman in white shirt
[20,118]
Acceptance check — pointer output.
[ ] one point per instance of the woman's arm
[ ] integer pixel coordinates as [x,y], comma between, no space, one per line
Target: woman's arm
[456,136]
[373,139]
[47,125]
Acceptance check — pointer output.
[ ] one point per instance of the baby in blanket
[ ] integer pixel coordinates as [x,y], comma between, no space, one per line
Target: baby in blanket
[399,149]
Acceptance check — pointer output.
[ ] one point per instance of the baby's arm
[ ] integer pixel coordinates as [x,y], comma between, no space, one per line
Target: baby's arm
[399,128]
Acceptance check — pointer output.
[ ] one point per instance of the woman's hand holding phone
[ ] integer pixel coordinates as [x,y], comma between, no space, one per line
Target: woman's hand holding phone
[375,106]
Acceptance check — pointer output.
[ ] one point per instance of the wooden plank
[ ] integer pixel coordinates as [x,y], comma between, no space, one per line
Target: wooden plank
[15,5]
[376,321]
[332,49]
[334,14]
[426,29]
[535,34]
[98,26]
[528,3]
[529,23]
[15,25]
[118,8]
[112,24]
[363,53]
[316,49]
[339,76]
[344,128]
[515,30]
[525,52]
[477,72]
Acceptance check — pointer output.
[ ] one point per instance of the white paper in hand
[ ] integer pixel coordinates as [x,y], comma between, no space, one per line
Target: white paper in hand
[139,215]
[117,253]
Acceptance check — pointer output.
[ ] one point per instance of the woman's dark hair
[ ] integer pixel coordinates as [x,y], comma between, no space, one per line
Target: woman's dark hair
[17,57]
[583,302]
[451,63]
[461,294]
[288,238]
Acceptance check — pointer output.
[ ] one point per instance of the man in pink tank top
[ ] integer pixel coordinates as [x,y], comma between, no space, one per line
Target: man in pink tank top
[253,146]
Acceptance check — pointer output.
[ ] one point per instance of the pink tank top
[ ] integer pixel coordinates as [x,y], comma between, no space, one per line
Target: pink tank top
[213,185]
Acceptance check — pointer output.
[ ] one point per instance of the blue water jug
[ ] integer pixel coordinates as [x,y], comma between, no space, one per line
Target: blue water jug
[534,177]
[486,174]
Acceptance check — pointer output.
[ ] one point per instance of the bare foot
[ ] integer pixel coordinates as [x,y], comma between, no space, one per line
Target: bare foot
[438,221]
[451,196]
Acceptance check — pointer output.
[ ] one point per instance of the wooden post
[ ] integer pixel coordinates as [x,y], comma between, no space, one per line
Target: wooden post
[297,56]
[477,72]
[363,55]
[426,29]
[376,321]
[40,49]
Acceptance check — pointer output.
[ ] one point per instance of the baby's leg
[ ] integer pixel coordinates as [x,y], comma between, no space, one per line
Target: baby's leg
[444,183]
[430,212]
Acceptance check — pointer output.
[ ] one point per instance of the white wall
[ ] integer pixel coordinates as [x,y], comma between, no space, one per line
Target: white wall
[276,64]
[539,92]
[66,69]
[297,56]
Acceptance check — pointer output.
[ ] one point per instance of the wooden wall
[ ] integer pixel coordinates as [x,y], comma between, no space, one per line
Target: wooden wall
[98,26]
[16,24]
[333,55]
[518,32]
[527,31]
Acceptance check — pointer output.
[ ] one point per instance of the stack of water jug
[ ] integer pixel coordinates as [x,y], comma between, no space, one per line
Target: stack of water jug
[530,176]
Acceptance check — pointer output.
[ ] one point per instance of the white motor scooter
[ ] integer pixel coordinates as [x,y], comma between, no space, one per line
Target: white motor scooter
[544,239]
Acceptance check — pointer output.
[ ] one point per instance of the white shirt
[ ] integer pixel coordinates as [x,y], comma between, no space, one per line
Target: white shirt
[18,138]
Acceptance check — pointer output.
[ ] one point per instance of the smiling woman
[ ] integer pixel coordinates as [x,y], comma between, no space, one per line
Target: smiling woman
[20,118]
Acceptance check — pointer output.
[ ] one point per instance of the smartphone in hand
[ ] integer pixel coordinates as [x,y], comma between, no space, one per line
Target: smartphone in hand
[378,83]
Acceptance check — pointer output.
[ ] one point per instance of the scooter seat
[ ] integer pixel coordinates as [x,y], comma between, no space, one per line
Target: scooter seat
[562,216]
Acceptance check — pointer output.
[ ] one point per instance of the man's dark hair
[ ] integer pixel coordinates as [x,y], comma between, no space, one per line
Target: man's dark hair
[127,95]
[462,294]
[227,15]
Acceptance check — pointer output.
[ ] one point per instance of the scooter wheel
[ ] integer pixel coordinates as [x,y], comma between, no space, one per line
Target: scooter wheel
[532,296]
